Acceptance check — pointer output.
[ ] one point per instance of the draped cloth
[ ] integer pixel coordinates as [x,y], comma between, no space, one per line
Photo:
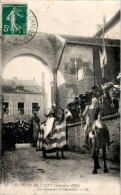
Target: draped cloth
[51,136]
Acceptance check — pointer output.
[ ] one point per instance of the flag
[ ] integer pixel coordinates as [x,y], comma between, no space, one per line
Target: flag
[81,73]
[76,67]
[103,56]
[75,63]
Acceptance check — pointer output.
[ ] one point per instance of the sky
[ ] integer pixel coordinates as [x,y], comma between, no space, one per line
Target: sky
[72,17]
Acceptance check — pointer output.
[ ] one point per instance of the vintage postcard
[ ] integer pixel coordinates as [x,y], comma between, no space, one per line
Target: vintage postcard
[59,97]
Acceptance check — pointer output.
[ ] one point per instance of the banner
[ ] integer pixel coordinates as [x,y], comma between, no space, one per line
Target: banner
[81,73]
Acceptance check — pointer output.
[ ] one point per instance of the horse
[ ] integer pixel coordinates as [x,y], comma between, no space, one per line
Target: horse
[55,141]
[99,139]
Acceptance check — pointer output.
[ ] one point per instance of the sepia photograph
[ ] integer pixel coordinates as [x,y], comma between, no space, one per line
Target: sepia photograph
[60,97]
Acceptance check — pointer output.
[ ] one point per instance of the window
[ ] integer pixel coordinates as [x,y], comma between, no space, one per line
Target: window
[21,107]
[6,107]
[34,107]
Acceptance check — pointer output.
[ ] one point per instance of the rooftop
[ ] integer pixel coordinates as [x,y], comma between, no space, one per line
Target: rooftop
[21,86]
[112,22]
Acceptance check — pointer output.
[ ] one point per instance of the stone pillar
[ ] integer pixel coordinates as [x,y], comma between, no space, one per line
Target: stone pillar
[54,88]
[43,81]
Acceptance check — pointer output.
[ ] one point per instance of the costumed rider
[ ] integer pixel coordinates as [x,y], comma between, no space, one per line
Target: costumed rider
[91,114]
[53,113]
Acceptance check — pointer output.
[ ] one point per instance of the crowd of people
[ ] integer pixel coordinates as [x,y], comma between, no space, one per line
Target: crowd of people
[105,96]
[19,132]
[108,95]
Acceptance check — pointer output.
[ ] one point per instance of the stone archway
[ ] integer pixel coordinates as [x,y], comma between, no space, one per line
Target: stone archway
[45,46]
[52,72]
[28,71]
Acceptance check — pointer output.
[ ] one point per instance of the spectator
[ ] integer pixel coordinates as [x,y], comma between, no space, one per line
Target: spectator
[115,104]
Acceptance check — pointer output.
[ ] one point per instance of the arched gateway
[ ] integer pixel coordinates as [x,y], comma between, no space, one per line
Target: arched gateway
[49,48]
[45,47]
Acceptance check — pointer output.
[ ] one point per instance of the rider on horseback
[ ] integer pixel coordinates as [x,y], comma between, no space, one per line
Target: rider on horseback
[91,113]
[54,113]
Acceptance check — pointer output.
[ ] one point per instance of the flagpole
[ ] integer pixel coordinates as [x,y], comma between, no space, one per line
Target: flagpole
[103,49]
[94,72]
[103,45]
[103,33]
[77,76]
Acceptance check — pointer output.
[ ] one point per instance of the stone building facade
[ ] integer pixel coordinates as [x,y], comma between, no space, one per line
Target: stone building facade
[20,98]
[86,53]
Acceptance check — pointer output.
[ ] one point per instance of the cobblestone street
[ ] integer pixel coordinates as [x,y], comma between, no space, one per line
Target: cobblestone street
[26,172]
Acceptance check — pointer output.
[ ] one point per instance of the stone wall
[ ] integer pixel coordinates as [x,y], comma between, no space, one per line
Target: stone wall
[87,56]
[83,54]
[114,129]
[112,68]
[75,139]
[75,136]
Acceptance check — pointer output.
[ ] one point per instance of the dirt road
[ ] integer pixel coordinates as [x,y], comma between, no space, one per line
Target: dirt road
[24,171]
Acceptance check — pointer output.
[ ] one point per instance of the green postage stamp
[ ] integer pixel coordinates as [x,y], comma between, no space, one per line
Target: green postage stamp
[14,19]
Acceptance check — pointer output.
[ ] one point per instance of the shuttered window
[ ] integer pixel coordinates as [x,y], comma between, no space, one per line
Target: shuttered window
[6,107]
[21,107]
[34,106]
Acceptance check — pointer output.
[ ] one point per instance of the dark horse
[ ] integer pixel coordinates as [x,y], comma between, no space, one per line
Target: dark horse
[99,139]
[56,139]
